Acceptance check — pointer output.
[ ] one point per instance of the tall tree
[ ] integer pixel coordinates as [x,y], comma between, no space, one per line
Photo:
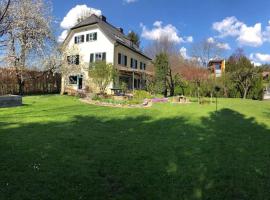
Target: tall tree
[161,70]
[134,38]
[28,35]
[243,74]
[4,5]
[205,50]
[164,46]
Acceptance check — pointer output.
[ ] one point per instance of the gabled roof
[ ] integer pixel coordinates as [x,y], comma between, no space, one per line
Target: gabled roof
[112,32]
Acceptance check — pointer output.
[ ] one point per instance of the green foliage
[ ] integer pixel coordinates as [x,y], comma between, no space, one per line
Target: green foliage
[243,79]
[161,65]
[134,37]
[124,87]
[141,95]
[102,75]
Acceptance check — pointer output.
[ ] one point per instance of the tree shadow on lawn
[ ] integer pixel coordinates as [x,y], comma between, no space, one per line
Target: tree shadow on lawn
[226,157]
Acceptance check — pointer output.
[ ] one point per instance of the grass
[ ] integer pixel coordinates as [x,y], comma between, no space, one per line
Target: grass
[55,147]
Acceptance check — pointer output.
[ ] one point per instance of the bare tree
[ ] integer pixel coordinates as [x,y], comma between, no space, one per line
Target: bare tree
[4,5]
[205,50]
[29,33]
[162,45]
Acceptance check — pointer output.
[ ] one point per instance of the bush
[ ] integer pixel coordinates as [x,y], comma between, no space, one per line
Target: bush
[141,95]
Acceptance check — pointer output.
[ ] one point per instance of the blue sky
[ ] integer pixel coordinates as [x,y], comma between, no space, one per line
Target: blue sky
[227,23]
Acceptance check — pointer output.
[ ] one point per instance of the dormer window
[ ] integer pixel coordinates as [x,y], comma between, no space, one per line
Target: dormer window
[79,39]
[91,37]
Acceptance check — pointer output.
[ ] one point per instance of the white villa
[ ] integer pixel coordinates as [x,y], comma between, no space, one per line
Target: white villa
[96,40]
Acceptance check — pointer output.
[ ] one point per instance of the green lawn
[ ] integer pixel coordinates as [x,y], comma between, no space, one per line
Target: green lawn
[55,147]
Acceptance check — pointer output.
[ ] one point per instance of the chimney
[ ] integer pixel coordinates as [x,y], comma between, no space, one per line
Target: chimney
[103,18]
[120,29]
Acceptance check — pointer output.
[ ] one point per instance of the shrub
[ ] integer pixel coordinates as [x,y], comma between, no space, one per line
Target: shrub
[141,95]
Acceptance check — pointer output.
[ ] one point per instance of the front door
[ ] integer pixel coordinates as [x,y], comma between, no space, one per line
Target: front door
[80,82]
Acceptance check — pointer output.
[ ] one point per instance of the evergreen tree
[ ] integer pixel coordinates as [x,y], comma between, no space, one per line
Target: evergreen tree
[161,70]
[134,38]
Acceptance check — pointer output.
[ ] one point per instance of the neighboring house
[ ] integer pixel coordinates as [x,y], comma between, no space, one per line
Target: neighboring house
[98,40]
[217,67]
[266,75]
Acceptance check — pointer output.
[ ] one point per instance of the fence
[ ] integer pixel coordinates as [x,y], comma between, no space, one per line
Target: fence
[36,82]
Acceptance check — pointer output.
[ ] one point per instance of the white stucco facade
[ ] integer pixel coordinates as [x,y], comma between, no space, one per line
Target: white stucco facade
[87,49]
[102,45]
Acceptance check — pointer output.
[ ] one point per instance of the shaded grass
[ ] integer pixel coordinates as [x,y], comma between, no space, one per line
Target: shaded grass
[59,148]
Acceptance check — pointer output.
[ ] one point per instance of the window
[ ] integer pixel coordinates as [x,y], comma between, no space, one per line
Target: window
[94,57]
[122,59]
[73,60]
[119,59]
[91,37]
[141,65]
[73,80]
[133,63]
[79,39]
[218,66]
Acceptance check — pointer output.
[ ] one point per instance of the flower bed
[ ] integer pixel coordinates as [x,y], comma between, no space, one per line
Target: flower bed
[160,100]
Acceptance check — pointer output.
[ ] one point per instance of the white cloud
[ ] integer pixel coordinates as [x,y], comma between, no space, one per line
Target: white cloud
[211,40]
[257,64]
[71,18]
[245,35]
[224,46]
[220,45]
[183,52]
[266,33]
[129,1]
[251,36]
[159,31]
[229,26]
[259,57]
[63,36]
[189,39]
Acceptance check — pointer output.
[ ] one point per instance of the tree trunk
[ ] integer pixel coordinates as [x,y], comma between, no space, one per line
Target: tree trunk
[245,93]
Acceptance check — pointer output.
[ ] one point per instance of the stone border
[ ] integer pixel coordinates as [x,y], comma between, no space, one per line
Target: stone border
[103,104]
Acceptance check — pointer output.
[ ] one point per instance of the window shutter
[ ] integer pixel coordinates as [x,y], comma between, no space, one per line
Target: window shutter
[75,40]
[131,62]
[77,60]
[119,58]
[144,66]
[136,64]
[95,36]
[91,58]
[68,60]
[87,38]
[104,56]
[82,38]
[125,60]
